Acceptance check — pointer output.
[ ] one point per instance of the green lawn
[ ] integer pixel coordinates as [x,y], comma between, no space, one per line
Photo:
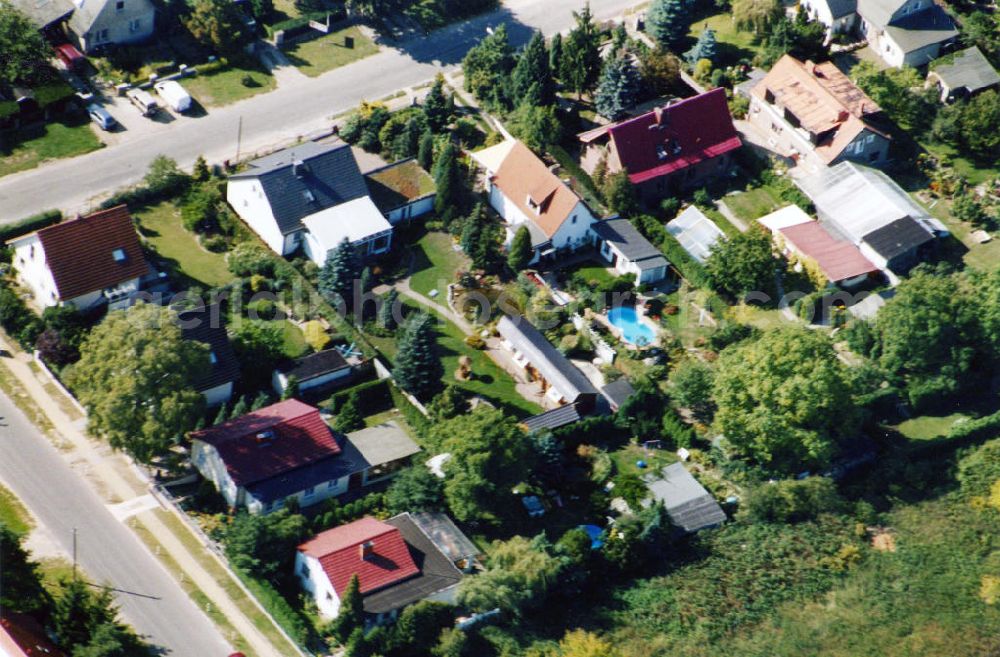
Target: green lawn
[625,459]
[750,206]
[183,255]
[226,87]
[328,52]
[294,341]
[435,262]
[928,427]
[52,141]
[975,174]
[13,514]
[732,45]
[592,272]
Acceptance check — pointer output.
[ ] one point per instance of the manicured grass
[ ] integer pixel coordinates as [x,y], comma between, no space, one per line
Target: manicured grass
[179,248]
[28,148]
[974,173]
[226,87]
[294,341]
[750,206]
[928,427]
[726,226]
[435,262]
[625,459]
[13,514]
[285,9]
[763,318]
[329,52]
[732,45]
[592,272]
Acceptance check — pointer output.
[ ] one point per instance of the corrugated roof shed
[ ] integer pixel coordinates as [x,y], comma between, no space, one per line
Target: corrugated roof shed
[966,69]
[837,259]
[561,374]
[688,504]
[553,419]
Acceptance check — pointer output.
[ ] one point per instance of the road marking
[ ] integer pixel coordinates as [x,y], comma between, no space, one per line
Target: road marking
[136,505]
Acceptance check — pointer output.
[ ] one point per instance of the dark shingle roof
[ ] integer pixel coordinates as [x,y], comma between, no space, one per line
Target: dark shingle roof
[841,8]
[688,504]
[315,365]
[205,325]
[897,238]
[968,69]
[630,242]
[437,572]
[44,12]
[553,419]
[561,374]
[922,28]
[290,482]
[81,254]
[304,179]
[617,392]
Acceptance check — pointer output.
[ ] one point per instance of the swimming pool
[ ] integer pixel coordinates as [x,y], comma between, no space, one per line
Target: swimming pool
[634,330]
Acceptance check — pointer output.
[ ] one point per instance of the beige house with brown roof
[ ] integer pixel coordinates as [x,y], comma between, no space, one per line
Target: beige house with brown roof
[525,193]
[815,116]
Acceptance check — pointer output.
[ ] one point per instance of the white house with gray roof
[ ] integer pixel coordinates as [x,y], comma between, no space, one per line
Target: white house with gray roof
[839,16]
[962,74]
[311,196]
[906,32]
[99,23]
[629,252]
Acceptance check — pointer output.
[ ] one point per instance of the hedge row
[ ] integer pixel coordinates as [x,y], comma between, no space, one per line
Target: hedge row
[278,608]
[303,21]
[30,225]
[375,397]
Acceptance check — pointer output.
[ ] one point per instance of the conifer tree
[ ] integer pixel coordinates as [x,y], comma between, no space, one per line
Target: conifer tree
[703,49]
[556,54]
[387,311]
[336,278]
[446,178]
[532,68]
[520,251]
[436,105]
[666,21]
[425,152]
[352,613]
[350,417]
[418,369]
[222,415]
[581,62]
[260,401]
[240,408]
[618,89]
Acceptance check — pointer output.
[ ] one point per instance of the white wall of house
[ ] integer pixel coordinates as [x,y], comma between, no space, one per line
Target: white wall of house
[372,245]
[247,198]
[280,382]
[819,10]
[308,497]
[218,395]
[32,270]
[206,459]
[120,21]
[412,210]
[623,266]
[575,231]
[315,582]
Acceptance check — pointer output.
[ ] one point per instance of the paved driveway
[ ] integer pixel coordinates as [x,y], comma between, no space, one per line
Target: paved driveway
[299,107]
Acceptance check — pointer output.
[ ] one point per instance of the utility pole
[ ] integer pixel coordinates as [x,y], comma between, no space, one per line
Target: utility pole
[239,140]
[74,554]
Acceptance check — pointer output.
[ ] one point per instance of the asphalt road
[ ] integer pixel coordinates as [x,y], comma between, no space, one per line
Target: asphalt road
[109,553]
[269,120]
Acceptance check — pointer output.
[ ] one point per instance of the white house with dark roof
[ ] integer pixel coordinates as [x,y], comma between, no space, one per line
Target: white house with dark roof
[839,16]
[205,325]
[962,74]
[84,262]
[323,369]
[906,32]
[622,245]
[311,196]
[99,23]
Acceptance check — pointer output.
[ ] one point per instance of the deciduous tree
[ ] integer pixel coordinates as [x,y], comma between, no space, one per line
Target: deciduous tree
[22,589]
[415,489]
[218,24]
[25,52]
[743,264]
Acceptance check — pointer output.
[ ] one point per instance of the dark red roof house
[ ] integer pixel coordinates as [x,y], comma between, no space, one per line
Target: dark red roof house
[22,636]
[675,146]
[84,262]
[396,563]
[284,450]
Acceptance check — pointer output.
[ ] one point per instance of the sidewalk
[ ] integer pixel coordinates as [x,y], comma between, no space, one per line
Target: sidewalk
[117,483]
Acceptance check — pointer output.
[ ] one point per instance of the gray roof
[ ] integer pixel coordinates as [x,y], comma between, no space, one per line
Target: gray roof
[383,443]
[879,12]
[304,179]
[688,504]
[349,461]
[316,365]
[437,572]
[553,419]
[87,12]
[841,8]
[899,237]
[855,200]
[617,392]
[922,28]
[561,374]
[446,536]
[968,69]
[630,242]
[44,12]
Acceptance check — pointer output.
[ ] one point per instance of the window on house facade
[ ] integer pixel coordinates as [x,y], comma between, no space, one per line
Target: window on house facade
[120,6]
[134,25]
[102,36]
[304,570]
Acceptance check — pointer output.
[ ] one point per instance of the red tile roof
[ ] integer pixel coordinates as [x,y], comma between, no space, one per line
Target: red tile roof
[675,137]
[271,441]
[339,552]
[80,253]
[837,259]
[22,636]
[522,176]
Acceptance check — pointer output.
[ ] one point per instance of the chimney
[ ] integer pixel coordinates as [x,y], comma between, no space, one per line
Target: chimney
[298,168]
[658,113]
[367,549]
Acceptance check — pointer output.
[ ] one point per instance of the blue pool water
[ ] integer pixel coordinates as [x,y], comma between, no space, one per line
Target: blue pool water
[634,331]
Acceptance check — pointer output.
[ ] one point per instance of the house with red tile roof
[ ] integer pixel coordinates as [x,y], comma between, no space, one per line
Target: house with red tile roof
[85,262]
[524,192]
[285,451]
[676,146]
[22,636]
[815,116]
[397,563]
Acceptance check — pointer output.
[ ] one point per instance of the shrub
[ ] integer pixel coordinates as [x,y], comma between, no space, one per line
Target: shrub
[215,243]
[315,335]
[475,341]
[251,258]
[794,501]
[30,224]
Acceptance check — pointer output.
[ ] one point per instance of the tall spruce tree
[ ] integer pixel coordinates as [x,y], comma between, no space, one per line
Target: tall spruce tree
[446,177]
[387,311]
[619,88]
[350,416]
[336,278]
[418,369]
[556,54]
[581,62]
[666,21]
[425,152]
[487,69]
[436,105]
[352,611]
[520,251]
[704,49]
[532,77]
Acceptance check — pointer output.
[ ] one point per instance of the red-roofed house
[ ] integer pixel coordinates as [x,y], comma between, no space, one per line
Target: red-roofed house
[676,146]
[840,262]
[285,450]
[397,564]
[22,636]
[84,262]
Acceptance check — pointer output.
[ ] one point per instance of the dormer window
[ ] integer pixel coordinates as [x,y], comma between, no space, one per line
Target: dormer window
[119,255]
[661,152]
[309,196]
[212,358]
[534,206]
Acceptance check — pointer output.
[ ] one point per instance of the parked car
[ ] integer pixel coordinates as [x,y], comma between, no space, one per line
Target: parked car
[71,58]
[101,116]
[174,94]
[143,100]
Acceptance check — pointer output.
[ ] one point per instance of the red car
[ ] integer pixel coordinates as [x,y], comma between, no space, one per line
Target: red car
[72,58]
